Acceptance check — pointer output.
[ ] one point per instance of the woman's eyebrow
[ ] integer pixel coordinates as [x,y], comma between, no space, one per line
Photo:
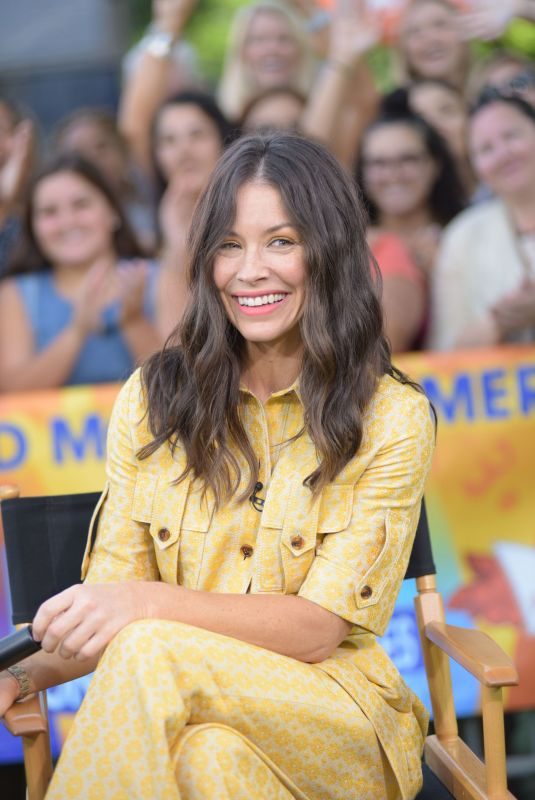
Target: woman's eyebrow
[267,230]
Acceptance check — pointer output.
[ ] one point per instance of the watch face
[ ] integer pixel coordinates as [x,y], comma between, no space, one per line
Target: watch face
[159,45]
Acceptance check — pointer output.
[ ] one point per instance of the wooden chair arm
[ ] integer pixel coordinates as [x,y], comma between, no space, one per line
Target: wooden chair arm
[26,718]
[475,651]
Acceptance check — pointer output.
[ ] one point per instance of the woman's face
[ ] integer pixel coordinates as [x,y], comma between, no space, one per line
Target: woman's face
[260,270]
[431,41]
[271,51]
[279,112]
[187,143]
[444,109]
[73,222]
[91,140]
[502,146]
[398,171]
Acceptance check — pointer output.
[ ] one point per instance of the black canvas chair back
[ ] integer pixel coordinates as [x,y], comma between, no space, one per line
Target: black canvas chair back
[46,537]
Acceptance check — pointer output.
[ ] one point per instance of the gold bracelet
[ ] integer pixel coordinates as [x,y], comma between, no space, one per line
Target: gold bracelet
[23,680]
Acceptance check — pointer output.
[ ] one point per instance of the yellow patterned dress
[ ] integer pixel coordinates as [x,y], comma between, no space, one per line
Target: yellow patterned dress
[177,712]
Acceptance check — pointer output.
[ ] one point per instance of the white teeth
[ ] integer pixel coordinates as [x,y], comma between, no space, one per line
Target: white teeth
[264,300]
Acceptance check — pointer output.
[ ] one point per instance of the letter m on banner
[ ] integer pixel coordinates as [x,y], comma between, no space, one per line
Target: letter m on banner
[89,441]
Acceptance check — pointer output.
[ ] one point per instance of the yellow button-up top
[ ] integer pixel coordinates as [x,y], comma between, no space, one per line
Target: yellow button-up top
[347,551]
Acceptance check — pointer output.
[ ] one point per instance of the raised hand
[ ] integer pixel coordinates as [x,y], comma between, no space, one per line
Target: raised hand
[176,209]
[488,19]
[354,31]
[171,16]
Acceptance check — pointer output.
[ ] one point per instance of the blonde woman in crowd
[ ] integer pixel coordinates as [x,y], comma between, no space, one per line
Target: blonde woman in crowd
[268,47]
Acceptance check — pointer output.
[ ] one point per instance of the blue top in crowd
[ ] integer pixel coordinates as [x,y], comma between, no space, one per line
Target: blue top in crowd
[105,356]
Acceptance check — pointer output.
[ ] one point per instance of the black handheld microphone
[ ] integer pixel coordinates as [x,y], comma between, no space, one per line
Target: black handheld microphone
[16,646]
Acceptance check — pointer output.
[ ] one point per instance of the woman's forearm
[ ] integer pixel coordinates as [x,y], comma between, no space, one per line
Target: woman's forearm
[45,370]
[50,669]
[142,95]
[286,624]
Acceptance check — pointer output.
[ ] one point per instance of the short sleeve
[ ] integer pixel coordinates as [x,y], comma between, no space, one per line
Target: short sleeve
[357,572]
[394,259]
[122,548]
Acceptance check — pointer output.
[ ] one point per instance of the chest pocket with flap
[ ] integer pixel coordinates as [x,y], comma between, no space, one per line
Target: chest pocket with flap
[304,524]
[160,504]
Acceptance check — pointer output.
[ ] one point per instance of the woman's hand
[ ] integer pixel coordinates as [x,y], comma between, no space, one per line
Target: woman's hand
[176,210]
[9,691]
[488,19]
[354,31]
[132,279]
[171,16]
[15,171]
[81,621]
[516,311]
[91,298]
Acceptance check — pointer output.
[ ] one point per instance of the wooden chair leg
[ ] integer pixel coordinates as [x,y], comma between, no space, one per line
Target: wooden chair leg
[37,759]
[494,741]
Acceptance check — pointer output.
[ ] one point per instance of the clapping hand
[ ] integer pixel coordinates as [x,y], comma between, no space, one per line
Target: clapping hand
[516,311]
[132,280]
[16,168]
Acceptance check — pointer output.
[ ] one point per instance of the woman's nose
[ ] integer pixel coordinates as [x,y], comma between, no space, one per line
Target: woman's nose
[252,266]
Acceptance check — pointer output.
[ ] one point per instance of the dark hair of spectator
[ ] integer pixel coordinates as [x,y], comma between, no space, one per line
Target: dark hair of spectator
[448,196]
[28,256]
[209,107]
[104,119]
[490,95]
[268,94]
[193,387]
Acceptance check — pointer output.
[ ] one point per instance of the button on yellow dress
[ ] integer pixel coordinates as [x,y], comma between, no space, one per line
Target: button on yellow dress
[177,712]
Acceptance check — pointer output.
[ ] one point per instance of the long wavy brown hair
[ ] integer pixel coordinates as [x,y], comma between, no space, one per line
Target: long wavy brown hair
[192,388]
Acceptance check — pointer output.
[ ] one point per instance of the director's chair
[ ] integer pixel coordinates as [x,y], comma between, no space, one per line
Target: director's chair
[45,539]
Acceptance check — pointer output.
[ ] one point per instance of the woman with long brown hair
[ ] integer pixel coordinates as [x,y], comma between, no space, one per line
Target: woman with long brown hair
[265,475]
[77,304]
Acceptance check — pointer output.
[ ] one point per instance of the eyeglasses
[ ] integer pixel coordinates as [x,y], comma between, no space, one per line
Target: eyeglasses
[404,162]
[520,83]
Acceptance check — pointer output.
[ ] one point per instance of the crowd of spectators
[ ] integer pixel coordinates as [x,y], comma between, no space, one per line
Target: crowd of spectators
[94,221]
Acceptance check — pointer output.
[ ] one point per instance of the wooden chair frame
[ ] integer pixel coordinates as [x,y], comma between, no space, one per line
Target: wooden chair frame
[463,774]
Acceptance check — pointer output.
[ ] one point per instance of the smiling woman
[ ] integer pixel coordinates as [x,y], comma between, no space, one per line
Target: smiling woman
[76,305]
[265,475]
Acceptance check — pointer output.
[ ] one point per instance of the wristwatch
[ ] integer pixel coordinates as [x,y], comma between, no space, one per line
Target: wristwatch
[23,680]
[159,44]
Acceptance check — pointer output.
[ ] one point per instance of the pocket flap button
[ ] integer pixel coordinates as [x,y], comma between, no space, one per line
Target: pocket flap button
[163,534]
[366,592]
[297,542]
